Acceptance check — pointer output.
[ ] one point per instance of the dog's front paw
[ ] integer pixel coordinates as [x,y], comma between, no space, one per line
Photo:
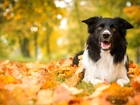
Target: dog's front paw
[122,82]
[95,81]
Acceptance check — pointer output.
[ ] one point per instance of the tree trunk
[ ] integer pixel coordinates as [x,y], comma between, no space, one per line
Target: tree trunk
[79,23]
[35,43]
[24,45]
[138,55]
[48,44]
[48,50]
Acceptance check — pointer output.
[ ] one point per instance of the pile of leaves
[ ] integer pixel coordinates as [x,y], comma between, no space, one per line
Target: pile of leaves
[60,83]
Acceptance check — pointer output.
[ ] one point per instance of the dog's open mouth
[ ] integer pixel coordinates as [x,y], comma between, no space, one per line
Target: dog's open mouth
[105,45]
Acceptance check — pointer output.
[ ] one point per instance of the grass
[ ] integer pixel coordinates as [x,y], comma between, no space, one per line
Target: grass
[87,87]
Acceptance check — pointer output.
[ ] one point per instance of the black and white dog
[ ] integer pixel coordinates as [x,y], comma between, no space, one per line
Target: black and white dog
[104,58]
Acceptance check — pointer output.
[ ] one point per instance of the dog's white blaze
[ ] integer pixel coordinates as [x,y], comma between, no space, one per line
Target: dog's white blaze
[104,69]
[106,32]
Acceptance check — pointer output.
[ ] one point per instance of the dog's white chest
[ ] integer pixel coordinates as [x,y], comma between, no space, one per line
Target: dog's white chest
[103,69]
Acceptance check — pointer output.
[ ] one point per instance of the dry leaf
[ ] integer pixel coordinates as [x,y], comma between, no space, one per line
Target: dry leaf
[15,72]
[44,97]
[7,79]
[72,81]
[62,94]
[135,83]
[99,91]
[40,84]
[72,90]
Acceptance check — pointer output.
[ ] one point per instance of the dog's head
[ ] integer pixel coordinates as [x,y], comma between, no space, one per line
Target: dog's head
[107,31]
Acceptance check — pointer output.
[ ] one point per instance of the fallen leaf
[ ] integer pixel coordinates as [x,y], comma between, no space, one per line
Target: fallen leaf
[6,98]
[15,72]
[134,100]
[5,62]
[7,79]
[57,83]
[79,71]
[135,83]
[48,84]
[71,89]
[62,94]
[72,81]
[99,91]
[44,97]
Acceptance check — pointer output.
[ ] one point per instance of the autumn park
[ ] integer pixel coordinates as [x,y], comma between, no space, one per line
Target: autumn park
[38,41]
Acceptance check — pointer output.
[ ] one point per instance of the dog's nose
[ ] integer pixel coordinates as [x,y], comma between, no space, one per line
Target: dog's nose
[106,35]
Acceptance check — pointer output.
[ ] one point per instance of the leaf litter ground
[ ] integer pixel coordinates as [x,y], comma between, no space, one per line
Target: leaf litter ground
[60,83]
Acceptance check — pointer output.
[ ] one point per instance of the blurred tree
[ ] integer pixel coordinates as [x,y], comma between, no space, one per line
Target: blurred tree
[77,33]
[134,39]
[27,18]
[35,26]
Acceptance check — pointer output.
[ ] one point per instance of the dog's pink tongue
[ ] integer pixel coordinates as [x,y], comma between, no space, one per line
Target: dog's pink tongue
[105,45]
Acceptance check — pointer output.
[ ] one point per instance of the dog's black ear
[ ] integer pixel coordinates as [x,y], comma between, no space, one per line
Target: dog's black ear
[92,20]
[124,23]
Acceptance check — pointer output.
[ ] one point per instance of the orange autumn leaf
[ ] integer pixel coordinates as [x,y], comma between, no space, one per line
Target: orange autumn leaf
[40,83]
[73,80]
[7,79]
[134,100]
[15,72]
[99,101]
[62,94]
[6,98]
[32,91]
[135,83]
[134,70]
[45,97]
[78,101]
[132,65]
[65,93]
[118,94]
[99,91]
[48,84]
[116,90]
[79,71]
[20,96]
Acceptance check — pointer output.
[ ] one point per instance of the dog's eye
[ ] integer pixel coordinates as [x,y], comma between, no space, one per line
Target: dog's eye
[100,28]
[113,28]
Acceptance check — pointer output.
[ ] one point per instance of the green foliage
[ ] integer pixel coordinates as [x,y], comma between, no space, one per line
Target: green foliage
[134,41]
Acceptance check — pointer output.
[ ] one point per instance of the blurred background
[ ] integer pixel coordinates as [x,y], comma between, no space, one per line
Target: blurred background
[52,29]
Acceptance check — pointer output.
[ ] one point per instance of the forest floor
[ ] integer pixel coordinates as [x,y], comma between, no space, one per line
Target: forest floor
[59,83]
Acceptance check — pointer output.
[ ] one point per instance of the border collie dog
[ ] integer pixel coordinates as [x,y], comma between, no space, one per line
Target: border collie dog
[104,58]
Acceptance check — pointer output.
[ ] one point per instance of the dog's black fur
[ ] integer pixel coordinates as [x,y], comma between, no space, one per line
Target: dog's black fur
[105,50]
[119,43]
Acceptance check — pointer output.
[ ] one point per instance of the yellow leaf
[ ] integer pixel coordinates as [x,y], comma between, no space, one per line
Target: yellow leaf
[7,79]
